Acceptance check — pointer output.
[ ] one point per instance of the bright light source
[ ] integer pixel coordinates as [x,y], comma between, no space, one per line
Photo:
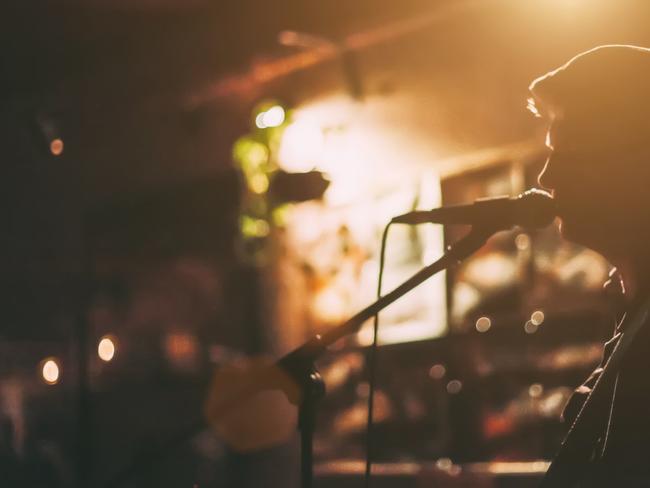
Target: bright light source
[273,117]
[537,317]
[259,120]
[356,146]
[50,371]
[106,348]
[300,148]
[483,324]
[56,147]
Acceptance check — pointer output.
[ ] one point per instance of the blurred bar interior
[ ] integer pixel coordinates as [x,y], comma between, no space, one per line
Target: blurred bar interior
[190,185]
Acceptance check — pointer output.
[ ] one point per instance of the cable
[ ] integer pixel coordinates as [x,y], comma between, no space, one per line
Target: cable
[372,373]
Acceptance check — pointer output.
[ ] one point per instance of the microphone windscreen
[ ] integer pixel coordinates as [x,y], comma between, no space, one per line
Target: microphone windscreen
[535,209]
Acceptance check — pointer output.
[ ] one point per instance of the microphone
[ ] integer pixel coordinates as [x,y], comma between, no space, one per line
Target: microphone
[533,209]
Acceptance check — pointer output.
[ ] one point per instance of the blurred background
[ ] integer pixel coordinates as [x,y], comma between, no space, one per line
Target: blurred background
[188,184]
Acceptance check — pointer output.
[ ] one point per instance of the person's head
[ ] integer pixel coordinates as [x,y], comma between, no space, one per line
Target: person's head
[598,106]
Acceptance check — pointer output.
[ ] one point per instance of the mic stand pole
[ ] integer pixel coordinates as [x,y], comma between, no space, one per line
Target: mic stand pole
[299,363]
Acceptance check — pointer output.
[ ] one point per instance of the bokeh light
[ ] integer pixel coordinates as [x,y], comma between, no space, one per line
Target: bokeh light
[182,350]
[273,117]
[454,386]
[537,317]
[437,371]
[530,327]
[535,390]
[106,348]
[258,183]
[50,371]
[483,324]
[56,147]
[301,147]
[329,305]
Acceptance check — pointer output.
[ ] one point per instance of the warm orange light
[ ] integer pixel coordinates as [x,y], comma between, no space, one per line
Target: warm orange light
[356,146]
[522,241]
[56,147]
[329,305]
[50,371]
[106,348]
[301,147]
[483,324]
[535,390]
[181,349]
[537,317]
[530,327]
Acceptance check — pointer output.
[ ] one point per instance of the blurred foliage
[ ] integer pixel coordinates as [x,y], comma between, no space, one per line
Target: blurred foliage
[269,191]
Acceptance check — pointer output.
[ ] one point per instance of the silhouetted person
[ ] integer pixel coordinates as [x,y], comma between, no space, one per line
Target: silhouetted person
[599,171]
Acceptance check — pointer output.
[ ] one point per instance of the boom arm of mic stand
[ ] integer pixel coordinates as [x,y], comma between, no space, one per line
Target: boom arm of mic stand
[299,364]
[300,361]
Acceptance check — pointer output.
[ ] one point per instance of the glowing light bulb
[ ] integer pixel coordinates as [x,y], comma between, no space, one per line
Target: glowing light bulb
[50,371]
[56,147]
[273,117]
[106,349]
[301,147]
[537,317]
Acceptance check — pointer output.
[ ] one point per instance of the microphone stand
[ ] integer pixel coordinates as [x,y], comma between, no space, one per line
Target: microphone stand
[299,364]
